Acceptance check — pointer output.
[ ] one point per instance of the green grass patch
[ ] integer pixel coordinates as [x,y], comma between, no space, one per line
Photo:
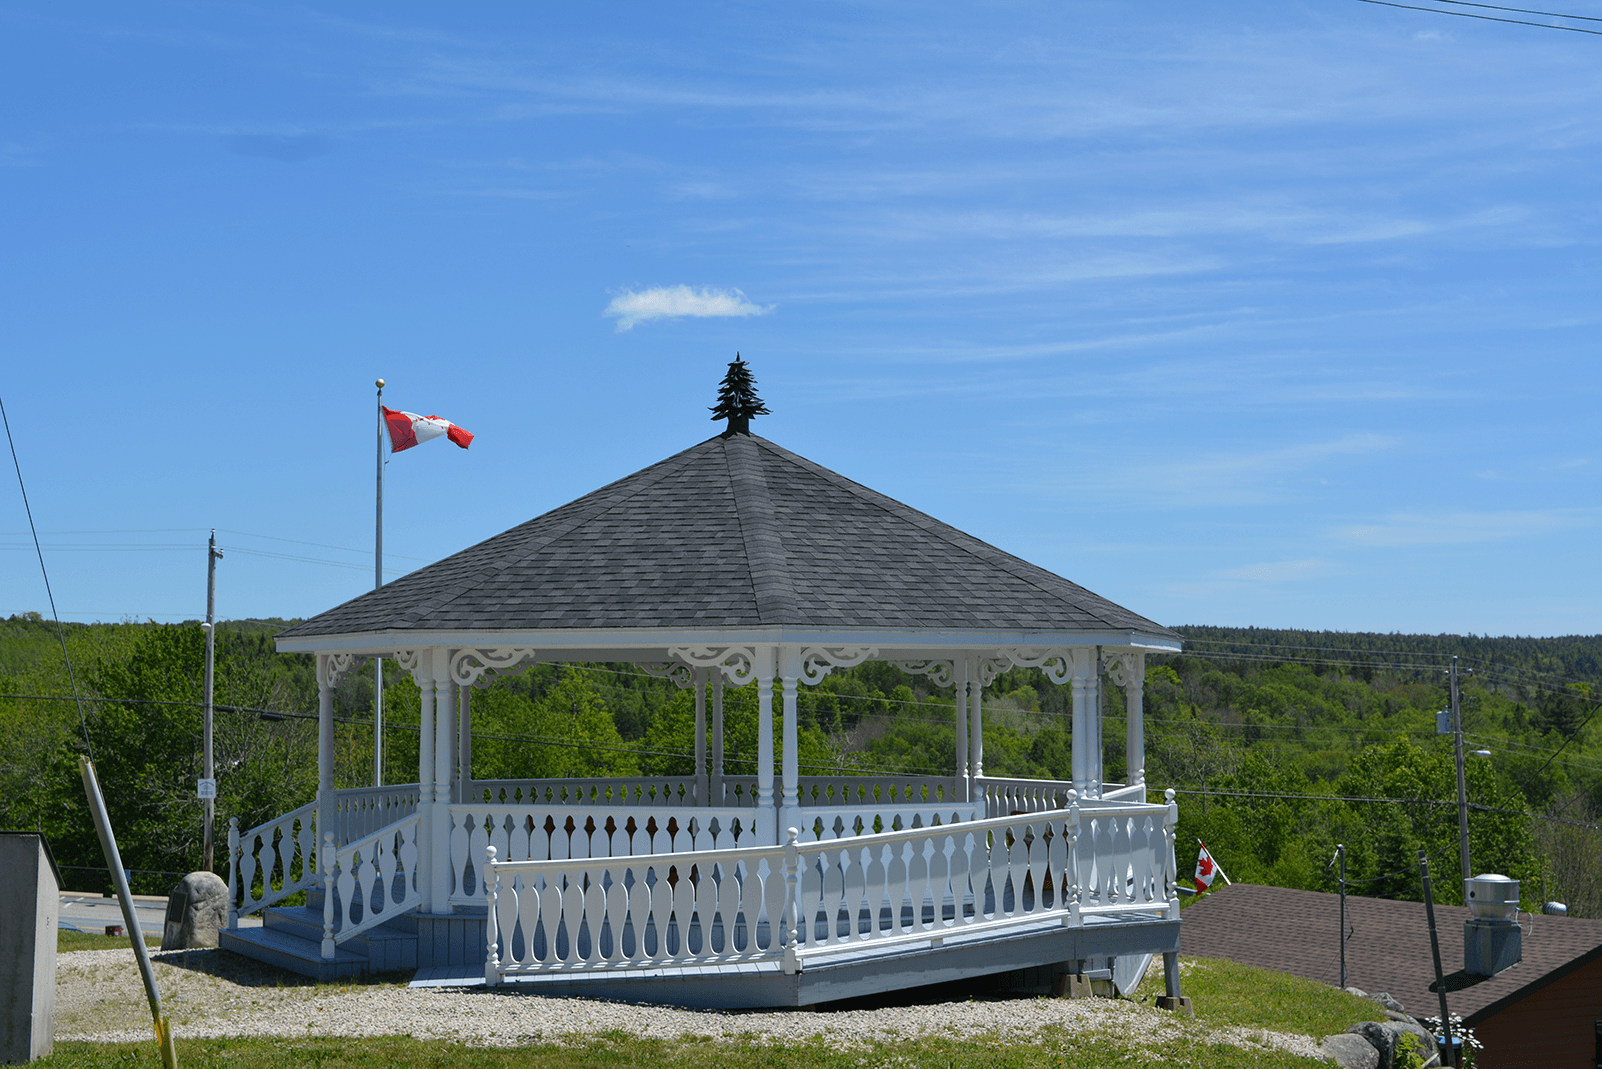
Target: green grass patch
[1229,993]
[69,940]
[1057,1051]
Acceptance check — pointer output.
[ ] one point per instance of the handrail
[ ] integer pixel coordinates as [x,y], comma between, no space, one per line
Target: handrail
[376,879]
[797,900]
[262,849]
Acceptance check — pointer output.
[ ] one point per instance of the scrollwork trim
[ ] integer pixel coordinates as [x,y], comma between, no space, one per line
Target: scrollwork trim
[479,666]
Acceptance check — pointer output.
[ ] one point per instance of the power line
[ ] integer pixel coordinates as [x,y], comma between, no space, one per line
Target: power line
[1491,18]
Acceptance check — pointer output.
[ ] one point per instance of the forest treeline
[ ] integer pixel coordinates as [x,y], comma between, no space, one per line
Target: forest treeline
[1281,743]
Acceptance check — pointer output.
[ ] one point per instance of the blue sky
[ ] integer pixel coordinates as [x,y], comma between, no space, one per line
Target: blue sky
[1279,314]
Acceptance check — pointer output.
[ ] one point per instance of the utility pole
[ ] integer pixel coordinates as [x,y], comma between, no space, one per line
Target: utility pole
[208,790]
[1462,789]
[1340,855]
[378,581]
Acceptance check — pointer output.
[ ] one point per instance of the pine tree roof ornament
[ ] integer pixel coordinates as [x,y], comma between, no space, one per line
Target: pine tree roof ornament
[737,398]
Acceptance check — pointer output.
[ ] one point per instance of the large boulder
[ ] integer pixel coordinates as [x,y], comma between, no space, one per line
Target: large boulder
[196,910]
[1384,1036]
[1351,1051]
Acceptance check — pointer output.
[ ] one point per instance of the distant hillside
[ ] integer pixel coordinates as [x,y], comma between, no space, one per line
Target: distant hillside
[1569,658]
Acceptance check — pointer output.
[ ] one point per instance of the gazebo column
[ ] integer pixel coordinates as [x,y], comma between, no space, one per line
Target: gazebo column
[325,750]
[464,743]
[440,819]
[716,775]
[702,675]
[1080,730]
[1135,720]
[1095,755]
[976,735]
[767,818]
[423,675]
[962,671]
[790,674]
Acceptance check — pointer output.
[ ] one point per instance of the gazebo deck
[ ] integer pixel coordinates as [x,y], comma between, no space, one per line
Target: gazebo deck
[679,910]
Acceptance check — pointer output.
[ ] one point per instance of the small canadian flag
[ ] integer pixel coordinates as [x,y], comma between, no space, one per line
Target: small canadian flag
[407,429]
[1206,869]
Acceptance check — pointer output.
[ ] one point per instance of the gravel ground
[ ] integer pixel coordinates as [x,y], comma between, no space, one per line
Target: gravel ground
[210,993]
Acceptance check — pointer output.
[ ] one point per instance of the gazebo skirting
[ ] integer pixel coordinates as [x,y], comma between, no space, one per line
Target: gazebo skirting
[630,888]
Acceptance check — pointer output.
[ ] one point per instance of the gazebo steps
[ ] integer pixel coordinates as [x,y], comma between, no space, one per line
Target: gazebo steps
[291,937]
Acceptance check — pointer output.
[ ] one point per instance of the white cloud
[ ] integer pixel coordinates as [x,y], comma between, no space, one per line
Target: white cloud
[1462,527]
[672,302]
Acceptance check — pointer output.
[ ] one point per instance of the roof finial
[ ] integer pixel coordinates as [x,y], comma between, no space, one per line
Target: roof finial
[737,398]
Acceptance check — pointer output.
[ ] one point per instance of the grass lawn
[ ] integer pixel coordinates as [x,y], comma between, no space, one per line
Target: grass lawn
[1225,994]
[68,940]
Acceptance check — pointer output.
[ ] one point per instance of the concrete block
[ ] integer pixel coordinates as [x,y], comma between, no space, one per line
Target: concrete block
[1177,1003]
[197,910]
[30,898]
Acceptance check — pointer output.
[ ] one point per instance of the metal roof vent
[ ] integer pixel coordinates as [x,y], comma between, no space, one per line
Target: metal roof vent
[1492,939]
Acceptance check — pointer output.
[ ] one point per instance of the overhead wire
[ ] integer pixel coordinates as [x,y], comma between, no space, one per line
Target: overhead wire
[1490,18]
[61,635]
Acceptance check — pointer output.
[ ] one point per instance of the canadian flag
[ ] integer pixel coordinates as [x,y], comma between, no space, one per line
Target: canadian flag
[1206,869]
[406,429]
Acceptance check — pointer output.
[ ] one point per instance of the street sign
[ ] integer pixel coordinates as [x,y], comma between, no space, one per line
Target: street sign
[206,788]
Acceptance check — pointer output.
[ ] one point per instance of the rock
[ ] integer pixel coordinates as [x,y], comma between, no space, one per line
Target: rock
[1383,1036]
[1392,1015]
[1359,992]
[1350,1051]
[196,909]
[1385,999]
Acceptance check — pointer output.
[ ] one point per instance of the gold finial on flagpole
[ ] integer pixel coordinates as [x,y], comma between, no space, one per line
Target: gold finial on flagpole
[380,384]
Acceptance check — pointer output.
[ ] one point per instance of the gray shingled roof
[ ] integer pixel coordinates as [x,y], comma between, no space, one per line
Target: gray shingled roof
[733,532]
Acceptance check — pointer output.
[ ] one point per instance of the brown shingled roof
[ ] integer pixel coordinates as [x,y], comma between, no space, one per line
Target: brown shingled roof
[1389,948]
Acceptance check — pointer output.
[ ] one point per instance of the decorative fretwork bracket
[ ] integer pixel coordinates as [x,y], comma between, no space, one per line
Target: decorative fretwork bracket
[1123,667]
[480,666]
[331,667]
[1056,662]
[737,663]
[816,661]
[990,668]
[939,672]
[682,675]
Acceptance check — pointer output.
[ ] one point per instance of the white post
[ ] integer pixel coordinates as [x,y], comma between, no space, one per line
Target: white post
[1095,758]
[767,825]
[1135,720]
[702,675]
[444,730]
[464,744]
[325,746]
[717,737]
[1080,741]
[976,735]
[423,674]
[790,673]
[962,670]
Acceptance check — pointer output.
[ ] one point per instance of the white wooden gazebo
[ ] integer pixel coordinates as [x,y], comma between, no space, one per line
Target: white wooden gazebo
[733,563]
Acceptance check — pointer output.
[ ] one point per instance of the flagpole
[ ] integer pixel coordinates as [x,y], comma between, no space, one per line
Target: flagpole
[378,581]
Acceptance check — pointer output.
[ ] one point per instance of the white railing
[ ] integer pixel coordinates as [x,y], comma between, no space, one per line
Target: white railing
[363,810]
[1125,854]
[708,907]
[270,862]
[622,790]
[1008,796]
[1114,792]
[854,792]
[821,825]
[561,833]
[369,881]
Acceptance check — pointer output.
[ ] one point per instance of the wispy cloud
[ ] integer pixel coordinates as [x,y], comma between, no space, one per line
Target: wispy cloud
[1459,528]
[675,302]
